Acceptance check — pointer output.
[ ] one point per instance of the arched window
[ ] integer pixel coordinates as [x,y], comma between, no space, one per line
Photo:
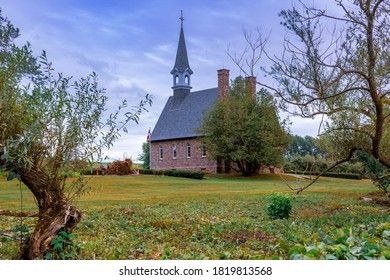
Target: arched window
[161,152]
[176,79]
[174,153]
[186,80]
[188,150]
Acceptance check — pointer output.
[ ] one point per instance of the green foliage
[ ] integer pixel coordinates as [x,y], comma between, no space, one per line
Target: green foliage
[184,174]
[362,242]
[306,163]
[333,175]
[145,156]
[63,247]
[174,173]
[21,232]
[150,217]
[374,170]
[71,174]
[310,75]
[244,129]
[146,171]
[279,206]
[50,122]
[343,175]
[301,146]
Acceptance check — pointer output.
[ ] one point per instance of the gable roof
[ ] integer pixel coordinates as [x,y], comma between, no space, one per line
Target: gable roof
[181,121]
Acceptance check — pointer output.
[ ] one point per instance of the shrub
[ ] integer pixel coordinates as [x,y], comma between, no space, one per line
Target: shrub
[71,174]
[184,173]
[377,172]
[279,206]
[146,171]
[343,175]
[333,174]
[174,173]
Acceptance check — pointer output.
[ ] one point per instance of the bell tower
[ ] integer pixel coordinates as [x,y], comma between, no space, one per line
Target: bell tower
[181,72]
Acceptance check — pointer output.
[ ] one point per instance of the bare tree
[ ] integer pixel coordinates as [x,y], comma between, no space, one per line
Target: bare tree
[336,67]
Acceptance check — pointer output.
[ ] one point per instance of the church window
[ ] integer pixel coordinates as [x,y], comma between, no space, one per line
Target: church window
[174,152]
[176,79]
[188,150]
[186,80]
[161,152]
[203,151]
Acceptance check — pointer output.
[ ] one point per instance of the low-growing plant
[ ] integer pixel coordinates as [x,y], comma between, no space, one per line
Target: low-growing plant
[62,246]
[360,243]
[279,206]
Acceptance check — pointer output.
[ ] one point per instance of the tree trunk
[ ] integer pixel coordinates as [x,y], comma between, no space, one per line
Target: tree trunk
[55,212]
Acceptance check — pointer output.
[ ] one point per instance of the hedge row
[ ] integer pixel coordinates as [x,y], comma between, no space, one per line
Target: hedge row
[174,173]
[332,174]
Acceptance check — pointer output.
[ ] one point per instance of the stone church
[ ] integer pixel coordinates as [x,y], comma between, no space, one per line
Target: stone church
[174,142]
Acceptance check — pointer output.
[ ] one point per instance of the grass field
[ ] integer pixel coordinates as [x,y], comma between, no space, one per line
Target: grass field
[220,217]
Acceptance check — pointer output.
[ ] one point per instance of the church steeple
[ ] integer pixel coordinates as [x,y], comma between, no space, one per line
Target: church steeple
[181,72]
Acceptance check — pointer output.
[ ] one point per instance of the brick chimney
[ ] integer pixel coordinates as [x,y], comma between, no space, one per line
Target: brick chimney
[223,83]
[250,83]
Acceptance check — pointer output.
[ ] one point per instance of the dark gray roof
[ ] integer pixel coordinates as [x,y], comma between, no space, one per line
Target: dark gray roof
[181,63]
[181,121]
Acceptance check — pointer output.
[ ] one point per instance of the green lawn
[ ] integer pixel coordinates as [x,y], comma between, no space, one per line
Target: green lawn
[220,217]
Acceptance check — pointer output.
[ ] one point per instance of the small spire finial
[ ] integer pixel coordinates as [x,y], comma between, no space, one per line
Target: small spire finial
[182,18]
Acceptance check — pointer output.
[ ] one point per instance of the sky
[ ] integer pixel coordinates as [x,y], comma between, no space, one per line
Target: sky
[132,45]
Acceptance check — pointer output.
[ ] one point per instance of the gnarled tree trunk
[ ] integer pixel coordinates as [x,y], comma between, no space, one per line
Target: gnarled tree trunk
[55,212]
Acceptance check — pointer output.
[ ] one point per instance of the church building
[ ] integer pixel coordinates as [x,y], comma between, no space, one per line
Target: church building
[174,143]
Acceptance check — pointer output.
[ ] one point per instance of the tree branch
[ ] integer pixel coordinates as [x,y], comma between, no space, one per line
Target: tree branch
[17,214]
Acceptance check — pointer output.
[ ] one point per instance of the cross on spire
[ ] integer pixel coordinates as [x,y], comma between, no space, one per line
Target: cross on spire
[182,18]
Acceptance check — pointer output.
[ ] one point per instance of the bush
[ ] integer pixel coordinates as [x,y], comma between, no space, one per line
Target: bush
[315,165]
[174,173]
[146,171]
[91,171]
[279,206]
[332,174]
[71,174]
[184,173]
[343,175]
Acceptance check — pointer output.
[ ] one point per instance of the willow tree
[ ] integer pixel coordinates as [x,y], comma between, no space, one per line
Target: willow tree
[46,122]
[336,66]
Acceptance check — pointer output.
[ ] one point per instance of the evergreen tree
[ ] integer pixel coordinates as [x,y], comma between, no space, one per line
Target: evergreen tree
[145,156]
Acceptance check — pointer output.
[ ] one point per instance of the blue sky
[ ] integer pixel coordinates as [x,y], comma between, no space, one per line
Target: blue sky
[131,45]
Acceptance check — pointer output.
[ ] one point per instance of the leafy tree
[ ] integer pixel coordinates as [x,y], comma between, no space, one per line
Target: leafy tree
[336,66]
[244,129]
[145,156]
[375,171]
[302,146]
[46,122]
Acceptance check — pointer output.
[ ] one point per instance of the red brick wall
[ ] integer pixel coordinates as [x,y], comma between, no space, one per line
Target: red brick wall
[196,162]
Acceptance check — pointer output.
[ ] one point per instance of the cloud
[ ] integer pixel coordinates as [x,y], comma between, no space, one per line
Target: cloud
[158,59]
[131,45]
